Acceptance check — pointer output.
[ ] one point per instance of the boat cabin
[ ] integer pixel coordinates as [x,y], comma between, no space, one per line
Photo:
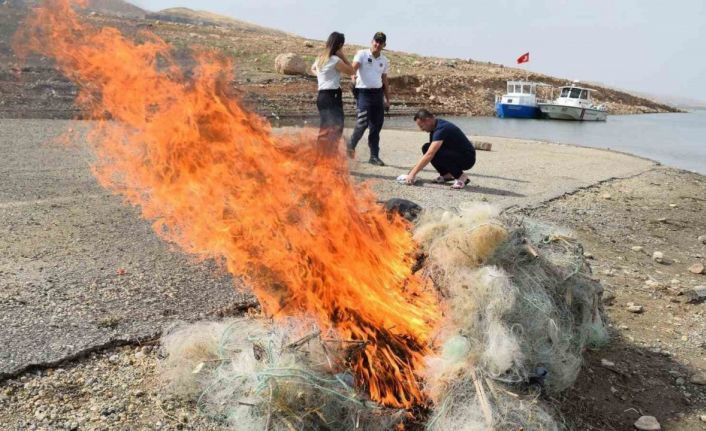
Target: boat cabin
[575,93]
[576,96]
[520,93]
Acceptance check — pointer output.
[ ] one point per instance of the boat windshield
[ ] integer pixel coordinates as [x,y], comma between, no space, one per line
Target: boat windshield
[565,92]
[520,89]
[584,94]
[575,93]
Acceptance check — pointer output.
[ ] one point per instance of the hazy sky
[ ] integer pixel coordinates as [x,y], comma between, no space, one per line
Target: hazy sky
[654,46]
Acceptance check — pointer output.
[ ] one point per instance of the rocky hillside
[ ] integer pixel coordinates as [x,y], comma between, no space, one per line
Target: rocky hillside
[449,86]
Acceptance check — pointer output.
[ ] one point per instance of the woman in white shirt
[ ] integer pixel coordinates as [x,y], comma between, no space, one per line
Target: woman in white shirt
[328,68]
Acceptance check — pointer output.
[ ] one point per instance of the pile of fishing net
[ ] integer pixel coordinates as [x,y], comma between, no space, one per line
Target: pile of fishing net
[520,307]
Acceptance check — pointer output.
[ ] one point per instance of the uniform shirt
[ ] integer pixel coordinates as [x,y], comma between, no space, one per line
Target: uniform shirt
[328,76]
[371,69]
[454,139]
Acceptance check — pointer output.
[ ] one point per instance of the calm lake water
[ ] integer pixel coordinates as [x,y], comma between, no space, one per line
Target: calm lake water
[677,140]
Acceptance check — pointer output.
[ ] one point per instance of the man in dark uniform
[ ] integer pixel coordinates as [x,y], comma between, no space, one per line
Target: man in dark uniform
[372,96]
[448,150]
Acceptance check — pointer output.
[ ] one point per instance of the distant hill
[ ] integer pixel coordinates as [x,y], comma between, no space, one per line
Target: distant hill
[198,17]
[117,8]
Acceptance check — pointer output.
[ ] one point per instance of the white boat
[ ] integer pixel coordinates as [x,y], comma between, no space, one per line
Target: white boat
[574,103]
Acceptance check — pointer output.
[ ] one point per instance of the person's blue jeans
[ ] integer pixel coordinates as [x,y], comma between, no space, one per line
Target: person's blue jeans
[371,116]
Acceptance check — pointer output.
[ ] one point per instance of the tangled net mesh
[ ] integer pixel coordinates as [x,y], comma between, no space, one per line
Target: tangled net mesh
[520,307]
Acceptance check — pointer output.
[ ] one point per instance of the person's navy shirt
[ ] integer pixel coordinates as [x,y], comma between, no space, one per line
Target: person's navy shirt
[454,139]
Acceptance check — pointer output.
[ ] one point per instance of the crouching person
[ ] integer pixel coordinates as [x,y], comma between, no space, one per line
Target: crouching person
[448,150]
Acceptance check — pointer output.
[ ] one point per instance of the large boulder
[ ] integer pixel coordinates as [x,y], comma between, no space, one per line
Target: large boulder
[290,64]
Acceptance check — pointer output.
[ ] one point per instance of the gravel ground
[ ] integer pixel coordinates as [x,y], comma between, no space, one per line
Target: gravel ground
[79,271]
[656,363]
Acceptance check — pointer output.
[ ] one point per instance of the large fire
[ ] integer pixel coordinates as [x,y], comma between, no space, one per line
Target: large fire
[276,210]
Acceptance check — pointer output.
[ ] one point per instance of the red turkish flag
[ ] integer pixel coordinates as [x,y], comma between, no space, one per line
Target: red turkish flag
[524,58]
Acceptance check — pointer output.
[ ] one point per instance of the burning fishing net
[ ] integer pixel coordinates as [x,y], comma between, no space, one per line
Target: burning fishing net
[520,308]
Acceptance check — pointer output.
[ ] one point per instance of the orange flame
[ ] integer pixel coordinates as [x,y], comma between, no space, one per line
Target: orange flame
[275,209]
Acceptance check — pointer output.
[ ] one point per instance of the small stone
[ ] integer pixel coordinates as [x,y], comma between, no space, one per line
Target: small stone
[606,363]
[698,379]
[702,239]
[697,268]
[696,295]
[588,255]
[647,423]
[658,256]
[308,44]
[652,283]
[114,359]
[139,355]
[703,418]
[672,205]
[636,248]
[635,308]
[680,381]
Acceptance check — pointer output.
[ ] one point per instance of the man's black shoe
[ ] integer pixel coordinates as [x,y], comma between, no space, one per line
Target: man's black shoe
[376,161]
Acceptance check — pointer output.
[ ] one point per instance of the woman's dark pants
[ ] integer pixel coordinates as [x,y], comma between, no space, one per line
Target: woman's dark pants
[330,105]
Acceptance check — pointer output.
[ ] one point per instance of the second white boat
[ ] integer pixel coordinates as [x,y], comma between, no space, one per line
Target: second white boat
[574,103]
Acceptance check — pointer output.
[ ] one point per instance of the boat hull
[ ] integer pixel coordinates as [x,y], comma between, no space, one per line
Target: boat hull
[572,113]
[505,110]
